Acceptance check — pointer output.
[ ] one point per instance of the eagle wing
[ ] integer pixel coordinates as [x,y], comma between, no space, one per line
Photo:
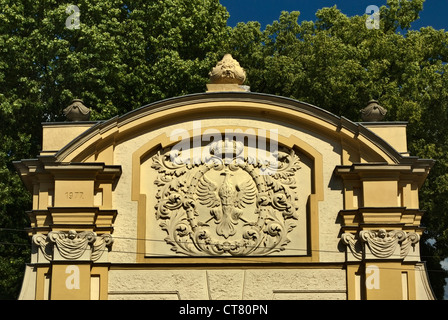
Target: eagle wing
[207,194]
[247,191]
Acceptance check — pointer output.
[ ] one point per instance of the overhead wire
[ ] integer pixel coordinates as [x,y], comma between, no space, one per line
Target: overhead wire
[187,242]
[227,258]
[155,254]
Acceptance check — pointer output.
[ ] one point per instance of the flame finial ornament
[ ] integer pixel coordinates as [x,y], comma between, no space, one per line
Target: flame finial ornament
[227,71]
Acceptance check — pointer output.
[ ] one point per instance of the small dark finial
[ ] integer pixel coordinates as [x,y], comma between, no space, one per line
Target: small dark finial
[373,112]
[77,111]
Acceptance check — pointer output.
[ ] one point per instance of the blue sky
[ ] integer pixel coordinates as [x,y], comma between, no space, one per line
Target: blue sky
[435,12]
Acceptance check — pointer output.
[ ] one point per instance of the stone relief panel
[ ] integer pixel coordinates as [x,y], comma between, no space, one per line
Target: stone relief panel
[233,205]
[380,243]
[73,245]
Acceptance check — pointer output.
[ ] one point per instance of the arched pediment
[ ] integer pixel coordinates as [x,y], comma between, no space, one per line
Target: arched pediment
[269,109]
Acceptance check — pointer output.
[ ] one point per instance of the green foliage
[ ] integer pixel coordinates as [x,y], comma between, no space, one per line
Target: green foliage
[128,53]
[125,54]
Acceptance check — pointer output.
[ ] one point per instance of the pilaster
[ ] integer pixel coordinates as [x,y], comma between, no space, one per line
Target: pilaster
[380,228]
[71,226]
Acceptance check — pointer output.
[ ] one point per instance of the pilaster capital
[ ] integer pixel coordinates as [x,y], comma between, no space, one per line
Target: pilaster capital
[380,244]
[72,245]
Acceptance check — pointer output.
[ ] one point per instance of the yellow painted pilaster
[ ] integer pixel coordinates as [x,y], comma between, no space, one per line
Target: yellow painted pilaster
[99,283]
[354,282]
[42,283]
[383,280]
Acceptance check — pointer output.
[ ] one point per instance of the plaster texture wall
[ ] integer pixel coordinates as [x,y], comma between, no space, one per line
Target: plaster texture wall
[228,284]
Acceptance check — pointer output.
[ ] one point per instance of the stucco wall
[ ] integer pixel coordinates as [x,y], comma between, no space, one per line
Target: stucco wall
[249,284]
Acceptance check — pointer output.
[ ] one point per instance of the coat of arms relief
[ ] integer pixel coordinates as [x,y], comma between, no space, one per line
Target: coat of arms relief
[227,203]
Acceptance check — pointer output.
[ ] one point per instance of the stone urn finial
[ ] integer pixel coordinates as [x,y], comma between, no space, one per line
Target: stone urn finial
[77,111]
[373,112]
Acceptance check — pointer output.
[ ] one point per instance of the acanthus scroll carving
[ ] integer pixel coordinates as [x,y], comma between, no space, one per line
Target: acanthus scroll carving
[381,243]
[233,206]
[44,244]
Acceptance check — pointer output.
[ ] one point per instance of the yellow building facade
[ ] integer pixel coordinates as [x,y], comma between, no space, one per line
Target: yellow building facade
[225,194]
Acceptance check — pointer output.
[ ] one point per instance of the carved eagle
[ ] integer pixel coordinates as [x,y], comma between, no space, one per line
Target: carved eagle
[226,201]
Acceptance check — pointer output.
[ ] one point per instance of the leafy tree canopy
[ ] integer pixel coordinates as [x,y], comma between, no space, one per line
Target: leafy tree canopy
[127,53]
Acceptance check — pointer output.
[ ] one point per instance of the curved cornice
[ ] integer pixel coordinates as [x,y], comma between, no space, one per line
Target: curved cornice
[269,107]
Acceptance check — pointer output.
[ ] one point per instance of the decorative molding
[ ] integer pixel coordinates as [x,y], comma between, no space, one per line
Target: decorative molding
[236,101]
[380,243]
[234,205]
[102,244]
[355,246]
[72,245]
[411,240]
[46,247]
[422,272]
[149,294]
